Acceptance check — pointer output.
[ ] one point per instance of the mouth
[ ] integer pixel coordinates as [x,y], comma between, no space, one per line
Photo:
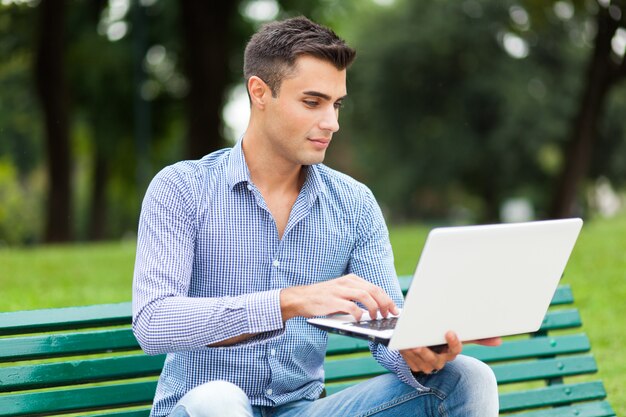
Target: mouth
[320,143]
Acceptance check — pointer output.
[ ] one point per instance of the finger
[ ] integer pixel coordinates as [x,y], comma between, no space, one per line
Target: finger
[351,308]
[383,302]
[363,297]
[424,360]
[428,360]
[454,345]
[359,290]
[431,360]
[394,309]
[415,362]
[436,357]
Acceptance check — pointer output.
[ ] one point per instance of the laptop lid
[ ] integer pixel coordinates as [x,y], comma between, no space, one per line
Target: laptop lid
[479,281]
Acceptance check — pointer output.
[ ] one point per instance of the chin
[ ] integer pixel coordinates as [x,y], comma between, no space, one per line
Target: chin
[314,159]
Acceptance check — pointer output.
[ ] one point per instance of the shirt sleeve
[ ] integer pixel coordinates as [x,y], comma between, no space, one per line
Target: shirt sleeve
[165,318]
[372,259]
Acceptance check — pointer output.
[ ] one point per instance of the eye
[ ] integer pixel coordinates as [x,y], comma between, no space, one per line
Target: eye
[310,103]
[338,105]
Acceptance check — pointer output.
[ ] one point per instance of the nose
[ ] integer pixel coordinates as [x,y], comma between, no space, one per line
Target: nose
[330,120]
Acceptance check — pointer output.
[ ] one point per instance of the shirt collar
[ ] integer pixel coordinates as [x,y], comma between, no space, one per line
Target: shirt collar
[313,185]
[237,167]
[238,172]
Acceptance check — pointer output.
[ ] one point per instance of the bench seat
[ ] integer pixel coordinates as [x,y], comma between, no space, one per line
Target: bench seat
[85,360]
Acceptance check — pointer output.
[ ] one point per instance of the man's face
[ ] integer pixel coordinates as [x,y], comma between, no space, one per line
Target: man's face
[300,121]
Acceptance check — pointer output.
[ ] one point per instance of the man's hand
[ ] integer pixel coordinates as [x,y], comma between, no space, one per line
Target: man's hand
[428,360]
[336,296]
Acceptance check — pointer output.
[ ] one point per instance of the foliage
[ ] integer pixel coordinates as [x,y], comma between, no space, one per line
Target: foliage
[609,158]
[127,87]
[446,115]
[443,121]
[20,211]
[19,115]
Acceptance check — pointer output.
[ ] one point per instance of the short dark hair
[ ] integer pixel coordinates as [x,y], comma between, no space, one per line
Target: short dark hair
[271,53]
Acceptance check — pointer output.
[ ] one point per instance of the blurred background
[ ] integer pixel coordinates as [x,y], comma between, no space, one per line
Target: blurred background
[459,111]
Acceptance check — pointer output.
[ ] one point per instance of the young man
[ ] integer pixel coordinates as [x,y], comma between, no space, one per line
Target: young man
[237,249]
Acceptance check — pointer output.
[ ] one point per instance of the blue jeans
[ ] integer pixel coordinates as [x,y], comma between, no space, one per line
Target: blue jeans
[465,387]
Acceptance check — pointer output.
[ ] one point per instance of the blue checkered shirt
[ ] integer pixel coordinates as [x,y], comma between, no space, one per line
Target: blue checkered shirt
[210,266]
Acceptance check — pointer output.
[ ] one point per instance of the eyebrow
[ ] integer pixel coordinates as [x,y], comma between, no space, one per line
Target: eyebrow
[321,95]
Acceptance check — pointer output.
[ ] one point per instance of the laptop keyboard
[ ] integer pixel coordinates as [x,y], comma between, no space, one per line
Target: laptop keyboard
[378,324]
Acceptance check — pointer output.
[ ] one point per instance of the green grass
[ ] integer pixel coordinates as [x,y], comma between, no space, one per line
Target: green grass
[66,275]
[60,275]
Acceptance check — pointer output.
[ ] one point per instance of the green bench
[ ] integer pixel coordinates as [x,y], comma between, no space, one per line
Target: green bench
[86,361]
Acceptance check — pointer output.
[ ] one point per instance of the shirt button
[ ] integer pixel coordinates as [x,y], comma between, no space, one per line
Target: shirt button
[269,391]
[273,352]
[249,187]
[276,263]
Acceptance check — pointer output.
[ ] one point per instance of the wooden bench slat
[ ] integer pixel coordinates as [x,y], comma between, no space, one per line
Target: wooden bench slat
[133,413]
[551,396]
[55,345]
[530,348]
[120,313]
[54,319]
[592,409]
[405,282]
[352,368]
[338,344]
[562,295]
[79,372]
[509,350]
[366,366]
[335,387]
[544,369]
[37,347]
[78,399]
[561,319]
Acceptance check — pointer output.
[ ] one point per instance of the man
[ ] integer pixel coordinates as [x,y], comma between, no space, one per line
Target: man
[237,249]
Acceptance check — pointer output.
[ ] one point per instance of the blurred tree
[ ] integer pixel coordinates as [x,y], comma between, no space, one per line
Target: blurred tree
[451,103]
[19,109]
[466,104]
[50,75]
[102,92]
[179,53]
[208,31]
[605,70]
[442,109]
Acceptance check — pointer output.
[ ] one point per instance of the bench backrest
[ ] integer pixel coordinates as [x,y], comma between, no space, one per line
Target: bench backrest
[69,360]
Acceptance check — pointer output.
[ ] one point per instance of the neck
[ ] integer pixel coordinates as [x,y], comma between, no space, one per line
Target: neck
[268,170]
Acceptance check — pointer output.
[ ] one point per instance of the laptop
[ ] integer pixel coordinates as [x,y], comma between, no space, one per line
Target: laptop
[478,281]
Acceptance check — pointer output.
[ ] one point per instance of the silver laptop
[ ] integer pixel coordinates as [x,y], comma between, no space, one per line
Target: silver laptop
[479,281]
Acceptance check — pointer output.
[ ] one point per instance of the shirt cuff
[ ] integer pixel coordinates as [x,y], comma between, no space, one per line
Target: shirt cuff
[264,313]
[407,376]
[399,366]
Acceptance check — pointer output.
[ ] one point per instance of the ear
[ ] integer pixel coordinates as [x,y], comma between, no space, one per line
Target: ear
[259,91]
